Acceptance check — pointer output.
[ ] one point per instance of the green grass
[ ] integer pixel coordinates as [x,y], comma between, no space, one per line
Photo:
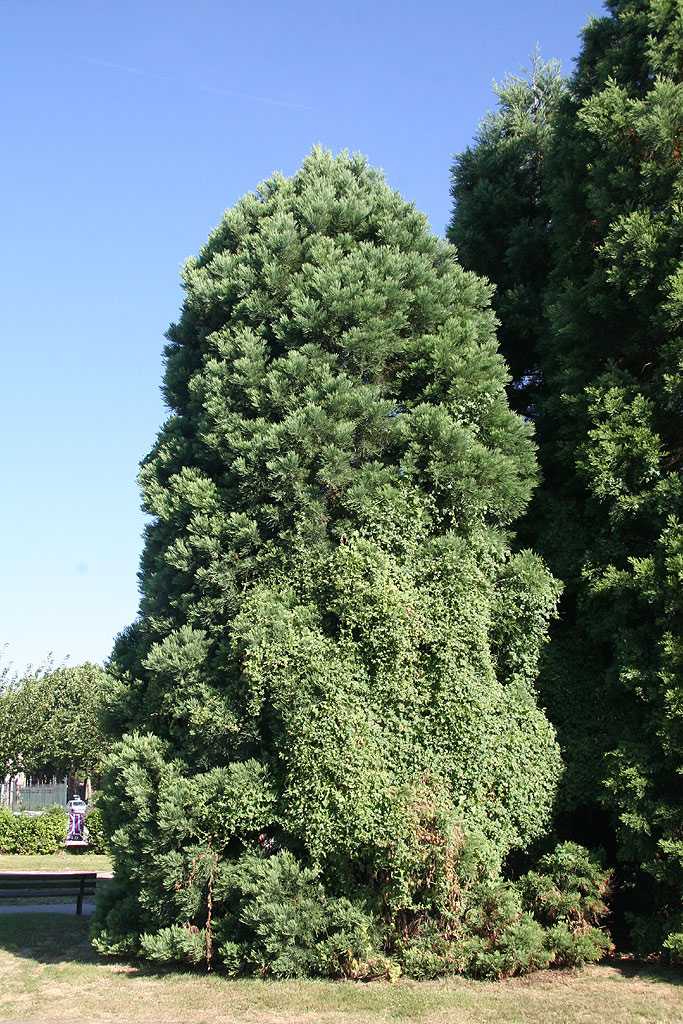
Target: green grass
[61,861]
[50,973]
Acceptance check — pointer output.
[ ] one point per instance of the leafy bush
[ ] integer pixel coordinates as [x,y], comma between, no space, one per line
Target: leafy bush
[496,928]
[490,937]
[7,831]
[185,943]
[114,924]
[32,834]
[97,838]
[283,923]
[673,947]
[567,896]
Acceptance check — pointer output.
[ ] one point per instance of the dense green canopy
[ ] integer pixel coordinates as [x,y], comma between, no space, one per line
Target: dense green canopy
[336,650]
[501,223]
[608,360]
[50,720]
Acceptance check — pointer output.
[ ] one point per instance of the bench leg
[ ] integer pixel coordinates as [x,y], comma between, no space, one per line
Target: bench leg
[79,904]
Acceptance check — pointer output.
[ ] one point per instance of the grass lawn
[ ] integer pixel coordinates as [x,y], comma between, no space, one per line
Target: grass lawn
[61,861]
[49,973]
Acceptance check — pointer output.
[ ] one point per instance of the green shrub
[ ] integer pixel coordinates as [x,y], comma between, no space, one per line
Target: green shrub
[271,916]
[97,840]
[566,895]
[283,924]
[569,948]
[518,949]
[184,943]
[495,929]
[114,921]
[504,938]
[32,834]
[673,947]
[7,831]
[490,936]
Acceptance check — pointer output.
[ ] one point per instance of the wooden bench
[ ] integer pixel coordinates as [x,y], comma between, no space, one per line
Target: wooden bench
[38,884]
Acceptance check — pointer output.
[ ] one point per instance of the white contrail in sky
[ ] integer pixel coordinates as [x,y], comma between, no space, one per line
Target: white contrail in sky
[200,88]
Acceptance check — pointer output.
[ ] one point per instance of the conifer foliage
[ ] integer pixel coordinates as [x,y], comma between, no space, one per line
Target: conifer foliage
[331,733]
[610,426]
[501,225]
[613,427]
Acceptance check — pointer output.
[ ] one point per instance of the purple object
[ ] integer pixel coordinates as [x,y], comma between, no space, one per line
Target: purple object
[76,830]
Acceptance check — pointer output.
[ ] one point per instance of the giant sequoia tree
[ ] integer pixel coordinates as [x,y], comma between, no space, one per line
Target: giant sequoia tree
[329,689]
[610,427]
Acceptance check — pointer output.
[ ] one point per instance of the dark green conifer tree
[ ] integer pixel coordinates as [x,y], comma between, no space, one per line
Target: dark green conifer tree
[610,427]
[328,697]
[611,432]
[501,220]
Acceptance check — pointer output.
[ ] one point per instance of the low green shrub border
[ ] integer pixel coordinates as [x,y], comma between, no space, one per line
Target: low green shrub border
[29,834]
[271,916]
[97,842]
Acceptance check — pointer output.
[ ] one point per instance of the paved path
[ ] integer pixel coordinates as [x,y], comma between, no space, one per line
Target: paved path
[54,908]
[48,908]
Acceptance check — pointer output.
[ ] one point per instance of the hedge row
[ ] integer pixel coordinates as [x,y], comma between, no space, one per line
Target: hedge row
[28,834]
[46,832]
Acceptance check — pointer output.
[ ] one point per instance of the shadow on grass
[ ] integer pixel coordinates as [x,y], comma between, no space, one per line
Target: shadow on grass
[645,970]
[47,938]
[55,939]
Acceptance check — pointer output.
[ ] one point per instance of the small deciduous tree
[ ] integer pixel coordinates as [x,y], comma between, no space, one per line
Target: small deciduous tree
[50,721]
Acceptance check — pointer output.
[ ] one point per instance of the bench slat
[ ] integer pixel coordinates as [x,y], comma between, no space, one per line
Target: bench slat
[61,884]
[15,894]
[6,876]
[25,884]
[22,883]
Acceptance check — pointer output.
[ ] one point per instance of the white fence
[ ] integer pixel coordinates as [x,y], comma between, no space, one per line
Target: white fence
[17,794]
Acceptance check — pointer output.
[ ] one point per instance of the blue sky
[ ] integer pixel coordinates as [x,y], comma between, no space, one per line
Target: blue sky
[127,129]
